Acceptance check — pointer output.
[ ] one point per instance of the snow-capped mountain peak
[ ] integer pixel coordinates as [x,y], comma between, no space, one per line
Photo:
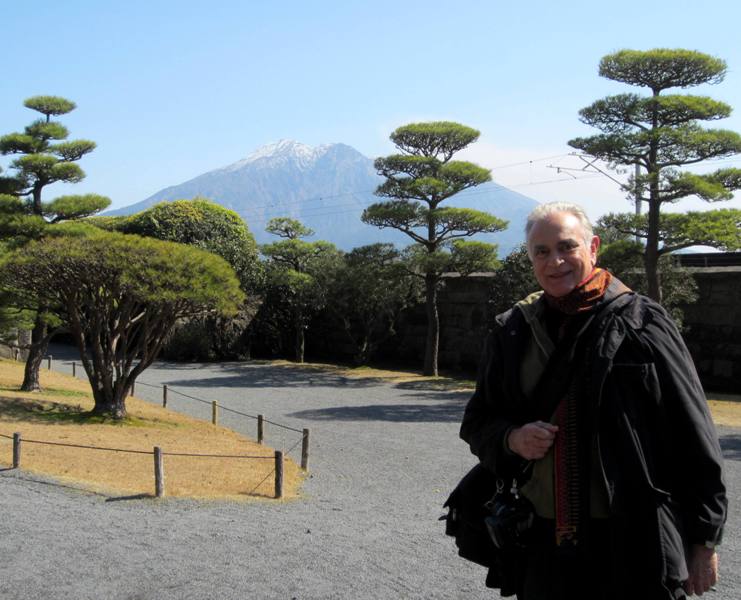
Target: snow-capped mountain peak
[282,152]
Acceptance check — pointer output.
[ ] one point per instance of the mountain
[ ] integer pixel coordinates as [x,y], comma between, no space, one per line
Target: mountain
[326,188]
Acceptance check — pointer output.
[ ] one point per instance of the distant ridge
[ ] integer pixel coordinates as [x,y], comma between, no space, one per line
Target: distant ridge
[326,188]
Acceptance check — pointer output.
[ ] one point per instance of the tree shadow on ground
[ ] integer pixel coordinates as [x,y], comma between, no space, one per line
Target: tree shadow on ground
[264,374]
[731,446]
[449,409]
[51,482]
[42,411]
[251,375]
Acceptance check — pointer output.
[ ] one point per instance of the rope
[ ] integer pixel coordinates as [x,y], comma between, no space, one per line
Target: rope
[24,440]
[187,396]
[264,420]
[216,455]
[151,385]
[85,447]
[208,402]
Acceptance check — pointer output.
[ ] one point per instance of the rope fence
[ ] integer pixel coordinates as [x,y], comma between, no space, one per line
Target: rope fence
[158,455]
[215,408]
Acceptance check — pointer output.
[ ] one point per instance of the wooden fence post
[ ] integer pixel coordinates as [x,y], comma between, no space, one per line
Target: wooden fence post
[48,364]
[16,450]
[278,474]
[133,387]
[74,369]
[214,412]
[260,429]
[159,473]
[305,451]
[164,396]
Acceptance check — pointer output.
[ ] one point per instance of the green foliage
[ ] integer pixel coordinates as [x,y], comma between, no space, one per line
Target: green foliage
[288,228]
[298,277]
[624,258]
[203,224]
[469,256]
[662,68]
[367,294]
[207,225]
[17,226]
[438,138]
[66,208]
[42,162]
[121,295]
[719,229]
[418,180]
[50,105]
[661,133]
[513,281]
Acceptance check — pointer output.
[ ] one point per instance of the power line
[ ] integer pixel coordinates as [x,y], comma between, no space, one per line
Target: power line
[355,208]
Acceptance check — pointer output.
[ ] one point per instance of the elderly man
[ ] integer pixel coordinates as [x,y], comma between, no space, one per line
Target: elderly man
[588,397]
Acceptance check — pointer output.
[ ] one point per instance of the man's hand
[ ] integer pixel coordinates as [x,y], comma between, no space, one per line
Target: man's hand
[533,440]
[703,570]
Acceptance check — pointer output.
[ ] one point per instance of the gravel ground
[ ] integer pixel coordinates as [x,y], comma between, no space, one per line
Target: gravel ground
[383,458]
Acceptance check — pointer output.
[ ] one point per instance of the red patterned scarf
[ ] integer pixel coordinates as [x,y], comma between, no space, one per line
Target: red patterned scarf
[585,295]
[568,487]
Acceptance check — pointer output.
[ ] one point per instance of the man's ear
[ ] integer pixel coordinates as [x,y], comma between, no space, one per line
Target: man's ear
[594,248]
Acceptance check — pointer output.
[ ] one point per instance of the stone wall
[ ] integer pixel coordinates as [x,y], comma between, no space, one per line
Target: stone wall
[712,327]
[463,324]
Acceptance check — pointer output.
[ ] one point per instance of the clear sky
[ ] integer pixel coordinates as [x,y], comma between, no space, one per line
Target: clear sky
[172,89]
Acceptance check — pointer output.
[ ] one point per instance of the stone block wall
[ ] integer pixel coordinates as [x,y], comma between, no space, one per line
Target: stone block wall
[713,328]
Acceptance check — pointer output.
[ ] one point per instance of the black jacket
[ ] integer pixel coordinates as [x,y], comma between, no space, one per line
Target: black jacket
[656,443]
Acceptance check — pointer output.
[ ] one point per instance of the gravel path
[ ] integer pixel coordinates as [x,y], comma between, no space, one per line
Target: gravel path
[383,458]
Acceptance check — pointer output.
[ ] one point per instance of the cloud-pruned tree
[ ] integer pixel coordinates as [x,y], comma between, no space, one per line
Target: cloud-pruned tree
[418,180]
[661,133]
[120,296]
[44,156]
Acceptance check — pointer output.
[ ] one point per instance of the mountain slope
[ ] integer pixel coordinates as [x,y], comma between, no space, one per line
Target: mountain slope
[326,188]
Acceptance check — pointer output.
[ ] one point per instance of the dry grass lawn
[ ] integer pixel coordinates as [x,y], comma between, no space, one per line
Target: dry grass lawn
[58,414]
[442,383]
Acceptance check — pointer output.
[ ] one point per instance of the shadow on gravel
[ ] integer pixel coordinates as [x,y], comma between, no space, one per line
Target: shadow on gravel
[261,376]
[445,412]
[133,497]
[731,446]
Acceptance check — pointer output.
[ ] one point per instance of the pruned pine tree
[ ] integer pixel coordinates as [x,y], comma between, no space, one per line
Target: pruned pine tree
[418,180]
[299,272]
[44,156]
[120,296]
[662,133]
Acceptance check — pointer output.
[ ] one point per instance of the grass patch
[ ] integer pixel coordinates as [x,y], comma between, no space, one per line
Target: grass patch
[410,379]
[61,414]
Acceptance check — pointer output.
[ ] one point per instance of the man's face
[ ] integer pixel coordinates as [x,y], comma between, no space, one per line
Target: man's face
[560,256]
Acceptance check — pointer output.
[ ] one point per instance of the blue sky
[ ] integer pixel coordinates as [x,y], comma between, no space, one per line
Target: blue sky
[170,90]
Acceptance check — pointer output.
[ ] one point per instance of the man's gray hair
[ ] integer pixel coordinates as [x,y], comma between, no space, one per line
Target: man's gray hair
[543,211]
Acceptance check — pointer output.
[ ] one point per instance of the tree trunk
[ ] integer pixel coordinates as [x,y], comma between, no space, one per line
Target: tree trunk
[651,253]
[36,352]
[109,394]
[299,342]
[110,403]
[433,326]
